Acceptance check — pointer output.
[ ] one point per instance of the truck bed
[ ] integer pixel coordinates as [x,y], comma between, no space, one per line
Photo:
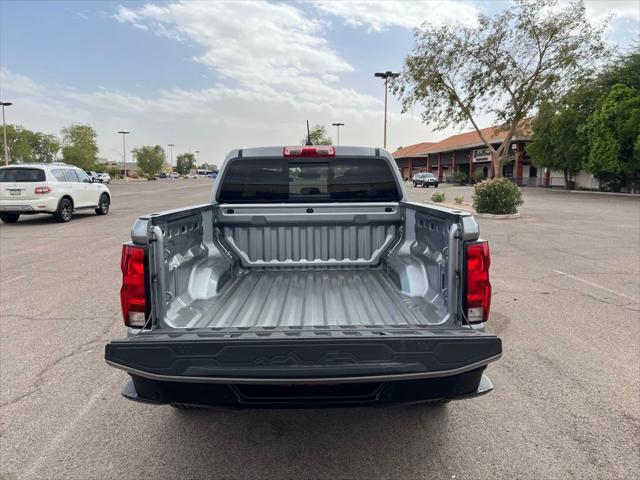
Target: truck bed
[307,299]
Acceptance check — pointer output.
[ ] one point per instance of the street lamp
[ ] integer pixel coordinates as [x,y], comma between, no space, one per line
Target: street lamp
[386,75]
[124,154]
[4,129]
[338,125]
[171,145]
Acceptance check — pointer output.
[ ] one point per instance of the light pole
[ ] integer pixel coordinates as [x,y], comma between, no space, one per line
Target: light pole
[171,145]
[338,125]
[124,154]
[4,132]
[386,75]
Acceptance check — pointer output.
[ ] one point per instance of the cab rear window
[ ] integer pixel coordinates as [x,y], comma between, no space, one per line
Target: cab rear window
[263,180]
[22,175]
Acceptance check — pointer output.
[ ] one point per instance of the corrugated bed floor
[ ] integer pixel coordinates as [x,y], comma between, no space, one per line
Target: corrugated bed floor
[308,298]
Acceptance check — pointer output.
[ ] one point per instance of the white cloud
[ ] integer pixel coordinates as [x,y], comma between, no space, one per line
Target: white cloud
[260,97]
[380,15]
[15,83]
[250,42]
[598,9]
[273,68]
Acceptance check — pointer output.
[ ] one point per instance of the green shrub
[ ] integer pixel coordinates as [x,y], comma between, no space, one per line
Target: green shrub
[498,196]
[478,175]
[458,200]
[437,197]
[460,178]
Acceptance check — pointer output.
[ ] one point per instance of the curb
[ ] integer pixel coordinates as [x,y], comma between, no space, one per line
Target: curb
[590,192]
[508,216]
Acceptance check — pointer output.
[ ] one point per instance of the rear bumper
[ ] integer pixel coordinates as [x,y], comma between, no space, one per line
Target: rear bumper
[22,206]
[195,369]
[458,387]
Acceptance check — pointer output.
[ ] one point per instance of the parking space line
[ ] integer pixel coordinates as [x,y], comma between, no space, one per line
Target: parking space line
[67,429]
[596,285]
[11,280]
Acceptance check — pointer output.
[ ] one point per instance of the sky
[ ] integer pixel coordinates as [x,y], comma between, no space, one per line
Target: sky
[211,76]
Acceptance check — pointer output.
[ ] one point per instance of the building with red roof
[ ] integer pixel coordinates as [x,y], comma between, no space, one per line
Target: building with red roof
[467,153]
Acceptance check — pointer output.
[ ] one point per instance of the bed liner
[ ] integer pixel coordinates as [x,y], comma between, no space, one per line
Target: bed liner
[310,299]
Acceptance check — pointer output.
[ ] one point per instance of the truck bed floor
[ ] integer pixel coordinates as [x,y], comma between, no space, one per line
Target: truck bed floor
[315,299]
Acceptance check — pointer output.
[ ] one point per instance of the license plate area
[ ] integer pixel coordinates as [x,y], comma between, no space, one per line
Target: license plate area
[307,392]
[15,191]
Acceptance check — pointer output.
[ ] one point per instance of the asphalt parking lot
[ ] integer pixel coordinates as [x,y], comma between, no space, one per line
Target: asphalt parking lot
[566,303]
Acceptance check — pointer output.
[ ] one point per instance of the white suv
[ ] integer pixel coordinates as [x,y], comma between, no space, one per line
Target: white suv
[54,188]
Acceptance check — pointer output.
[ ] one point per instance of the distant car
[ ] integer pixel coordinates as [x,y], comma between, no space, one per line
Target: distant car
[162,175]
[174,175]
[191,175]
[425,180]
[104,178]
[55,188]
[95,177]
[212,175]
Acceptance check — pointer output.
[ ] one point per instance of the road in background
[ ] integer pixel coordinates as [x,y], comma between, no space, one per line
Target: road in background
[566,280]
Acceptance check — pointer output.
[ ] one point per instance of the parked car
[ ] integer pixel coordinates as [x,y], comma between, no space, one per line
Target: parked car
[309,279]
[191,175]
[54,188]
[104,178]
[425,180]
[162,175]
[212,175]
[174,175]
[95,177]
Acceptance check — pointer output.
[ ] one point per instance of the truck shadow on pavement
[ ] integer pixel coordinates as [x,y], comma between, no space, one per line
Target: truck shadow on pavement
[392,442]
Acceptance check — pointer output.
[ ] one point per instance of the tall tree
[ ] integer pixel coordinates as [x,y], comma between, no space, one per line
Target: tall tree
[45,147]
[185,162]
[503,66]
[614,135]
[19,144]
[150,159]
[318,134]
[26,146]
[79,146]
[558,141]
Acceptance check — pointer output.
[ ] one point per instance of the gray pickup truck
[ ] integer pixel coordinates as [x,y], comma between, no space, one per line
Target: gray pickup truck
[308,279]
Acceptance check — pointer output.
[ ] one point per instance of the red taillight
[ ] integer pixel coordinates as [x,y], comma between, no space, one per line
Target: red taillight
[309,151]
[43,190]
[478,285]
[132,293]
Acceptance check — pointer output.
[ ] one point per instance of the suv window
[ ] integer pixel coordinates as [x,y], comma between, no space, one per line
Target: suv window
[82,176]
[314,180]
[70,175]
[22,175]
[58,174]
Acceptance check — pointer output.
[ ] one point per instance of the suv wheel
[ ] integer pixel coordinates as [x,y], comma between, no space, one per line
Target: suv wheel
[9,217]
[103,205]
[64,212]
